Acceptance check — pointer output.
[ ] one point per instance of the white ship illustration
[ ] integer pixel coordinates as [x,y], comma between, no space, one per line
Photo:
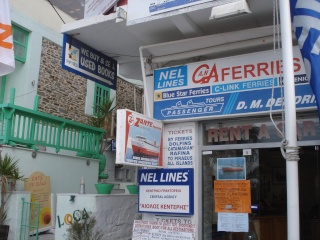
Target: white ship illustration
[143,146]
[191,108]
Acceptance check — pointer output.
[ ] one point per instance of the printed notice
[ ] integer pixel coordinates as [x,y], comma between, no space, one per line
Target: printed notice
[232,196]
[179,141]
[147,230]
[233,222]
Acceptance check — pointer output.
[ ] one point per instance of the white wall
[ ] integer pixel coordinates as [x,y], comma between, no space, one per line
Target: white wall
[42,11]
[27,73]
[114,213]
[64,171]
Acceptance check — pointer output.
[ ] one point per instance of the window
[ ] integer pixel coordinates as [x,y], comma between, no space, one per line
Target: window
[20,41]
[101,94]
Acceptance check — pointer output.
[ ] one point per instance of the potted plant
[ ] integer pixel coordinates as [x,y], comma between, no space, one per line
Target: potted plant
[103,119]
[83,229]
[9,174]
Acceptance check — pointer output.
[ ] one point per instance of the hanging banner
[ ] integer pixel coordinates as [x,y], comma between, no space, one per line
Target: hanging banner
[141,139]
[7,62]
[89,63]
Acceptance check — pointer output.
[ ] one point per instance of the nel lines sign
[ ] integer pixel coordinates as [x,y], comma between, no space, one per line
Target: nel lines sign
[166,191]
[229,86]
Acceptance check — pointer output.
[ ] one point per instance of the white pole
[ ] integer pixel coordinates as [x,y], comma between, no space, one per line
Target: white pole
[293,229]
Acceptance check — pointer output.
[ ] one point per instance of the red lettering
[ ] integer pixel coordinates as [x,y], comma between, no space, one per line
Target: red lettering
[236,72]
[201,76]
[4,35]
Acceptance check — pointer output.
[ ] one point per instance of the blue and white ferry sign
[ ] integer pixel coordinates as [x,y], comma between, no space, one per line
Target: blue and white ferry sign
[236,85]
[166,191]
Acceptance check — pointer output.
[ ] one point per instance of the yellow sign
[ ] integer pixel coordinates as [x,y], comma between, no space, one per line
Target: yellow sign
[39,186]
[232,196]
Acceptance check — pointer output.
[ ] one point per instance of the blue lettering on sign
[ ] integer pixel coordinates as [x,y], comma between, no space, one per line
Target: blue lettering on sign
[181,176]
[89,63]
[231,103]
[186,92]
[246,85]
[170,77]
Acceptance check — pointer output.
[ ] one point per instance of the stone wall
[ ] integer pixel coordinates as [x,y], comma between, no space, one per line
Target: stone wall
[63,93]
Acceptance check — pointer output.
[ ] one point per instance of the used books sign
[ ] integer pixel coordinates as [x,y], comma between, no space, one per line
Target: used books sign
[89,63]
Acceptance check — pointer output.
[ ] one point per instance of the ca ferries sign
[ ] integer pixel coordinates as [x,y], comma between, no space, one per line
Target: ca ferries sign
[230,86]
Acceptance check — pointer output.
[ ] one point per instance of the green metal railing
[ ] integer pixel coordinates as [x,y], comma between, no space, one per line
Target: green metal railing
[29,127]
[29,229]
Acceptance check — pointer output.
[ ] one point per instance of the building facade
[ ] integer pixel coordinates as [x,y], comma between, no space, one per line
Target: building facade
[186,71]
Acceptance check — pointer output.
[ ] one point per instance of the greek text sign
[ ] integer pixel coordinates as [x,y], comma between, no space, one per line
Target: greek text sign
[232,196]
[147,230]
[229,86]
[89,63]
[166,190]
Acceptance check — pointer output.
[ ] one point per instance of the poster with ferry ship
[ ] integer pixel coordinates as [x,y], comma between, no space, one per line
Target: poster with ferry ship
[139,139]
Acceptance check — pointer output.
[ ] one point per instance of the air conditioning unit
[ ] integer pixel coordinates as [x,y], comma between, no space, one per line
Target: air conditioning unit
[230,10]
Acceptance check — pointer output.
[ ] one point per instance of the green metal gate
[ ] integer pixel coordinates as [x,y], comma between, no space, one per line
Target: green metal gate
[29,220]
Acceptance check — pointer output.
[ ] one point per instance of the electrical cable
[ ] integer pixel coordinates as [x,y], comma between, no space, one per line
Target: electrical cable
[56,11]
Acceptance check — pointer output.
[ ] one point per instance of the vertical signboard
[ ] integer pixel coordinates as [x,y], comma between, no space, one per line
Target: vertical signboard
[141,139]
[89,63]
[38,185]
[166,191]
[179,145]
[229,86]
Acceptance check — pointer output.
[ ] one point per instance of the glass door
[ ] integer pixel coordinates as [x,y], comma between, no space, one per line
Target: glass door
[233,164]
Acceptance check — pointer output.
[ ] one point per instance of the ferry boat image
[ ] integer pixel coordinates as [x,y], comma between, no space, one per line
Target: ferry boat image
[191,108]
[168,4]
[143,146]
[232,168]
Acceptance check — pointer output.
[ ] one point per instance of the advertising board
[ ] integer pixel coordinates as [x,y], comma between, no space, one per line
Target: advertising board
[179,145]
[143,10]
[237,85]
[141,143]
[96,7]
[148,230]
[166,191]
[89,63]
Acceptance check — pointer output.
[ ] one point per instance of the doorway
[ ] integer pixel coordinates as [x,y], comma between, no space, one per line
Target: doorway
[266,170]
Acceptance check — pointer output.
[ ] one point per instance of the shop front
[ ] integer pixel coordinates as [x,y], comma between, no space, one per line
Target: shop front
[224,118]
[258,143]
